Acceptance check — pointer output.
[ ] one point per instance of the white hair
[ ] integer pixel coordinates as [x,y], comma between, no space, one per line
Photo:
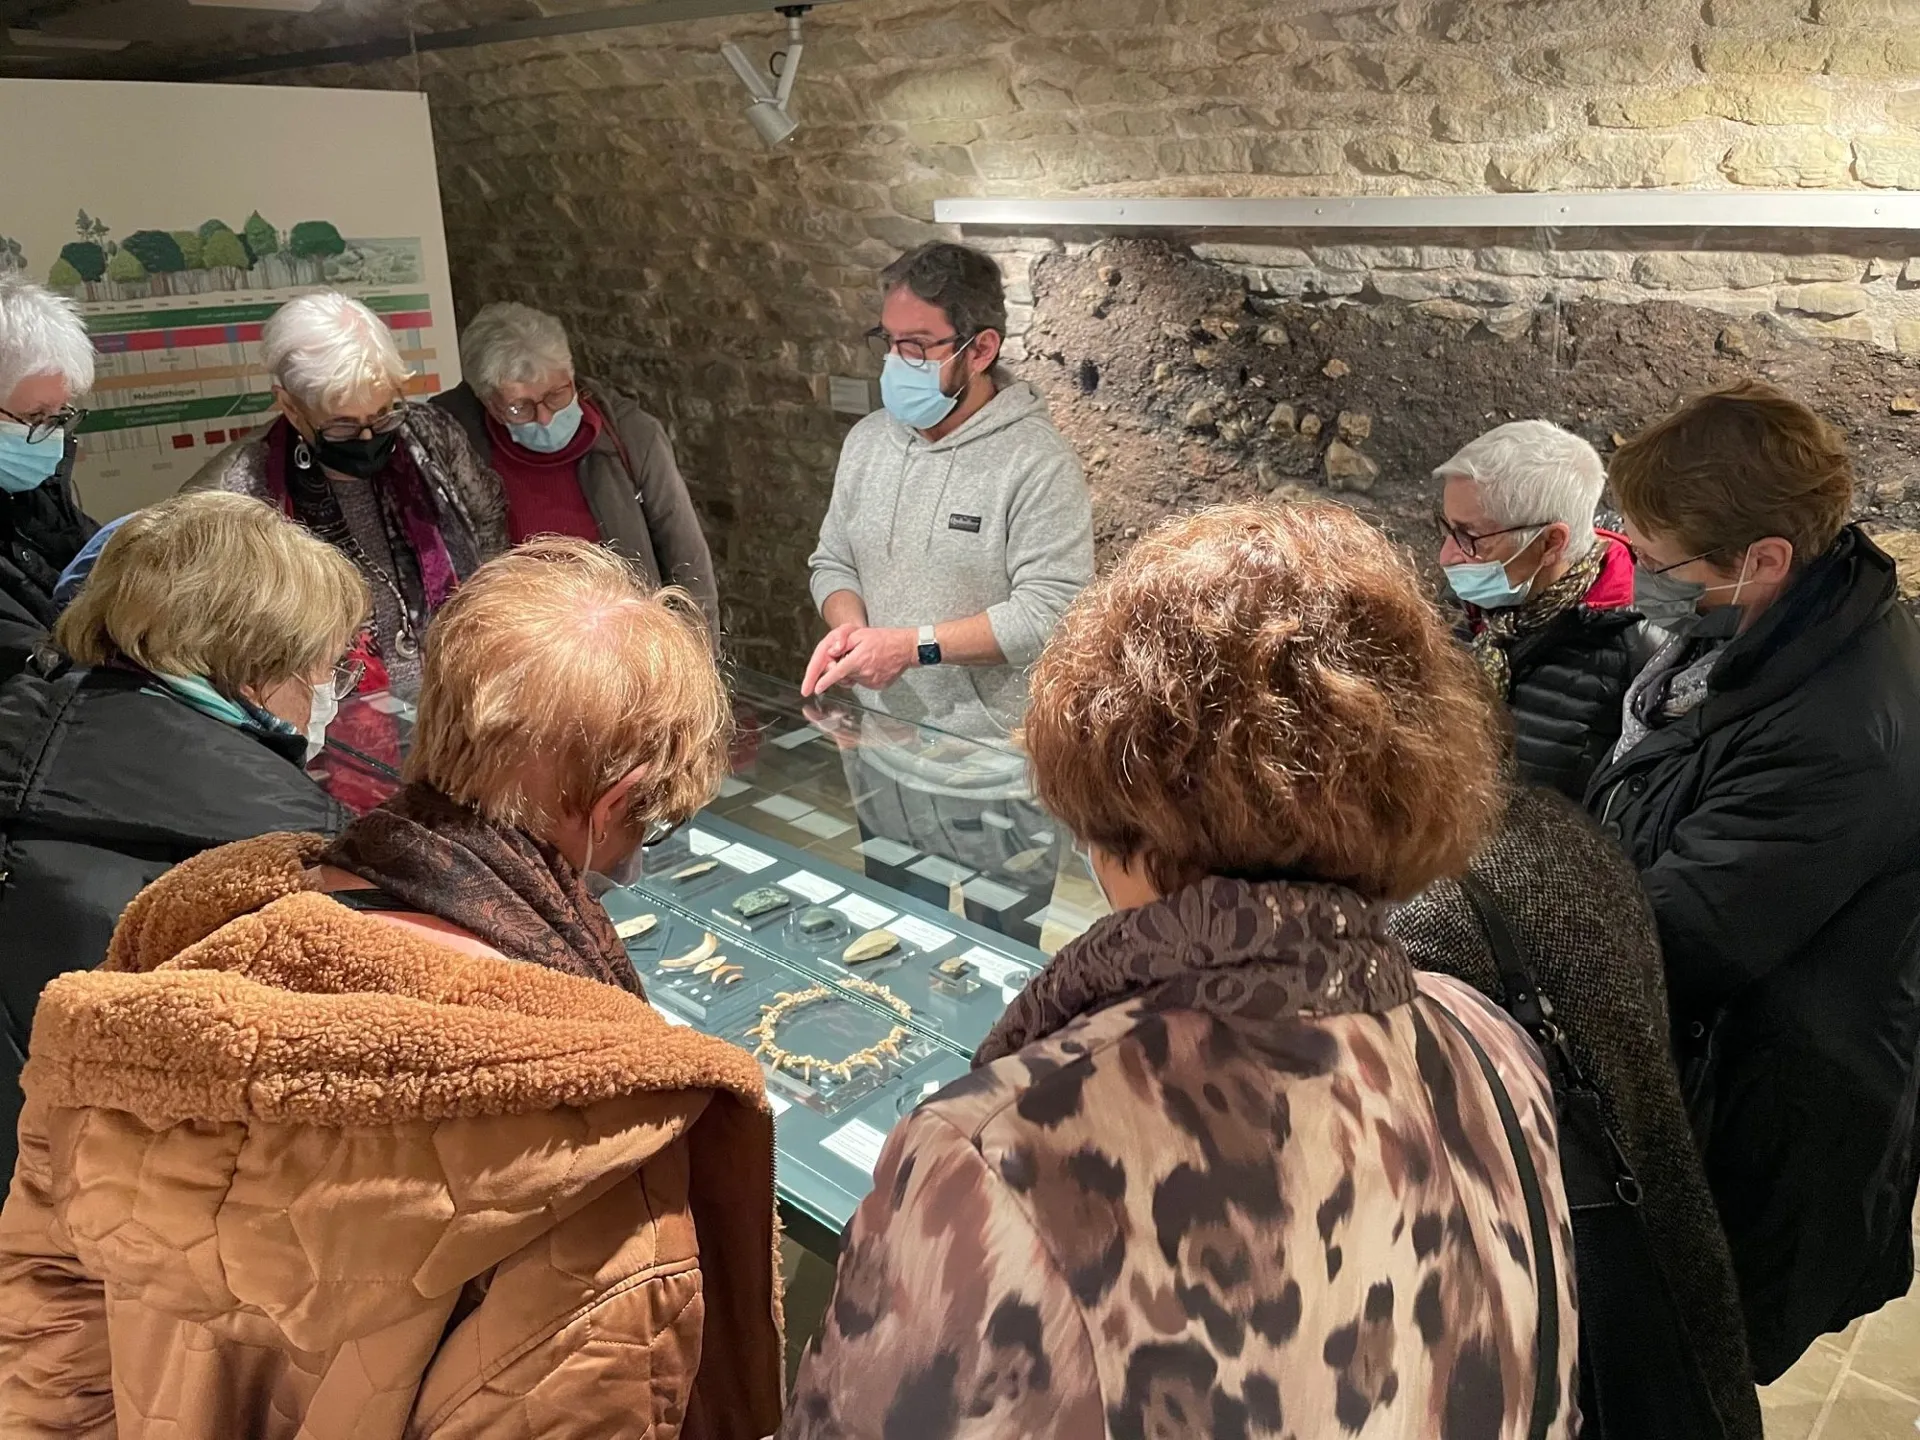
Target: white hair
[41,333]
[1532,472]
[327,350]
[509,344]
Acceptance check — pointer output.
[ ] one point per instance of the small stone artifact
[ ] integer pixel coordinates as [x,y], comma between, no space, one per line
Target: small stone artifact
[817,920]
[703,951]
[874,945]
[711,965]
[954,969]
[635,927]
[694,871]
[761,902]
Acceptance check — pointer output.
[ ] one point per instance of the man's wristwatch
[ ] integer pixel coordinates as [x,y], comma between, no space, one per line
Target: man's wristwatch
[929,647]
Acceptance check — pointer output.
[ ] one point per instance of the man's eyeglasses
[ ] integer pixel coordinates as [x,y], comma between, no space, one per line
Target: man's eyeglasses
[1469,542]
[914,352]
[558,398]
[39,428]
[385,423]
[347,676]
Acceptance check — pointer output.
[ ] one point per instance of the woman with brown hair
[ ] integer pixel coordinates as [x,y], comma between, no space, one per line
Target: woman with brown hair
[1767,788]
[378,1137]
[1228,1165]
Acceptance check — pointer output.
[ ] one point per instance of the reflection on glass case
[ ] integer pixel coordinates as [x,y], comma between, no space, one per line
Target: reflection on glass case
[856,908]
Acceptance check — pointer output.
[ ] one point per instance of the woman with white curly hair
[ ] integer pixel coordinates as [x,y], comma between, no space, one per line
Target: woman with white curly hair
[393,485]
[46,363]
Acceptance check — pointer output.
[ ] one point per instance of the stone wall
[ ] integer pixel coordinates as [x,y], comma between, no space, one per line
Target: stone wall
[612,178]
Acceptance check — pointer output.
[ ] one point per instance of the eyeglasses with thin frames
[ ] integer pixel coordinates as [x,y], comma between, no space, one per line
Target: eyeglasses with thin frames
[39,428]
[914,352]
[556,399]
[1469,542]
[347,676]
[385,423]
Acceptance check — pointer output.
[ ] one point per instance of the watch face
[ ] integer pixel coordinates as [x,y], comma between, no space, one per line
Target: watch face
[929,654]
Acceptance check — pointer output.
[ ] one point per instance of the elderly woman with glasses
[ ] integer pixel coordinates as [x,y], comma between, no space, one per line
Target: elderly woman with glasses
[46,361]
[188,683]
[393,486]
[574,456]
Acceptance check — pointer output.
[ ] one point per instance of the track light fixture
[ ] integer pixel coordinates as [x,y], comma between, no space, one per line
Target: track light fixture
[768,111]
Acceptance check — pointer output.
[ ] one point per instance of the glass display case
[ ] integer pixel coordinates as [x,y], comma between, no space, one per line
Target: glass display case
[856,907]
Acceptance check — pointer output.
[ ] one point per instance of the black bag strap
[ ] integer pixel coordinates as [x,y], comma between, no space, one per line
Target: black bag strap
[1546,1275]
[1530,1005]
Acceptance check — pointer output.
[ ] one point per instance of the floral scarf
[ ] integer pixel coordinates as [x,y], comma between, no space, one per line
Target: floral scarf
[1494,631]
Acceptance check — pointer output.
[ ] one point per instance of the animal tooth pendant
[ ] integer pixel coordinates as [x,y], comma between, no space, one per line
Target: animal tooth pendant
[634,928]
[710,965]
[871,946]
[703,951]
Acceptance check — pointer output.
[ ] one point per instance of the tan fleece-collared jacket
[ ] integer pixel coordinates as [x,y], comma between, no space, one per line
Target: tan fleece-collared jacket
[290,1170]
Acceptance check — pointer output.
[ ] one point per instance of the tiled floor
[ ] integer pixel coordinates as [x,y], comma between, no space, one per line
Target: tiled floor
[1863,1384]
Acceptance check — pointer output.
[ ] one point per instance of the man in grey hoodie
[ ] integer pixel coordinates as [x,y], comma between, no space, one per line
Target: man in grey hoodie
[959,531]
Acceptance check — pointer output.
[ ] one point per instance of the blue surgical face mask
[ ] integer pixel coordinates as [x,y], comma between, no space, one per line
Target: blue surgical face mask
[1484,584]
[1664,599]
[556,434]
[913,394]
[28,464]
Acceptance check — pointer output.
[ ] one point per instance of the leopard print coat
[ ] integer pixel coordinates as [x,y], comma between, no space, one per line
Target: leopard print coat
[1224,1169]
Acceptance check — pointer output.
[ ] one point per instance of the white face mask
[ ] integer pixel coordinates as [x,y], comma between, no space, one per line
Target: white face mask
[326,705]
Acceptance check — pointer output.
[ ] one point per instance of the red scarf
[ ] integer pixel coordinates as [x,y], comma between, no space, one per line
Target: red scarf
[543,490]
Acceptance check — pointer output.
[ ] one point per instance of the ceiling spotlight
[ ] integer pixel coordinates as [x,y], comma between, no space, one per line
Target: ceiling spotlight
[768,113]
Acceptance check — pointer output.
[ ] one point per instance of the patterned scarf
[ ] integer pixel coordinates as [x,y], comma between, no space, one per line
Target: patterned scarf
[514,892]
[1496,630]
[1256,949]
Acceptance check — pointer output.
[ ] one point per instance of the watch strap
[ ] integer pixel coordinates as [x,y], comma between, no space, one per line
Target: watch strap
[929,646]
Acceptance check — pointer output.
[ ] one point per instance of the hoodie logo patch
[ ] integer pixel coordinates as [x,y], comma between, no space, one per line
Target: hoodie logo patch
[968,523]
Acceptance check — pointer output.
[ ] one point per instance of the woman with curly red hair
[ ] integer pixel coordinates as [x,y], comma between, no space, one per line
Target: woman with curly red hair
[1228,1165]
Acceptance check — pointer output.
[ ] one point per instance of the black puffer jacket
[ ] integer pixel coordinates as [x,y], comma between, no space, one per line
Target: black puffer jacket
[1776,828]
[1568,684]
[41,530]
[104,785]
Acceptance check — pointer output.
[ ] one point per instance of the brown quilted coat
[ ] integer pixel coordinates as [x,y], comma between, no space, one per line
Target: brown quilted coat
[292,1170]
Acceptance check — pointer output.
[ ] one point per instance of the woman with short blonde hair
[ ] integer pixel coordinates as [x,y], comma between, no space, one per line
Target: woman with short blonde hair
[392,485]
[518,1175]
[202,661]
[1228,1162]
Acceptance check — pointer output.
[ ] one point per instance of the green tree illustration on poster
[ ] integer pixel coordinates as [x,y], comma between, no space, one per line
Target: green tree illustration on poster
[125,268]
[86,259]
[262,239]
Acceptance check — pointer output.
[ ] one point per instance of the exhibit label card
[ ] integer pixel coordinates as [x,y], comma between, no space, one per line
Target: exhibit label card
[919,933]
[863,912]
[744,858]
[701,843]
[857,1143]
[814,887]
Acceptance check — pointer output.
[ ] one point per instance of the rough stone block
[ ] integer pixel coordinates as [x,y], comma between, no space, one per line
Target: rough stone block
[1212,155]
[1477,22]
[1366,257]
[1442,257]
[1910,275]
[1414,285]
[1057,17]
[1146,123]
[1906,336]
[1600,162]
[1903,107]
[1785,161]
[1592,265]
[1276,255]
[948,94]
[1857,328]
[1418,159]
[1755,12]
[1340,72]
[1801,268]
[1373,22]
[1449,310]
[1508,260]
[1118,87]
[1741,54]
[1297,155]
[1706,270]
[1628,62]
[1258,37]
[1651,111]
[1506,119]
[1826,301]
[1348,469]
[1876,54]
[1866,12]
[1887,161]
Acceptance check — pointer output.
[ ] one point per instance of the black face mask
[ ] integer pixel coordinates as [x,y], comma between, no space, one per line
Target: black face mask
[362,459]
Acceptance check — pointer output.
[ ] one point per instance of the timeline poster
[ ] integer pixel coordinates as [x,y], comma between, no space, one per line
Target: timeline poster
[179,217]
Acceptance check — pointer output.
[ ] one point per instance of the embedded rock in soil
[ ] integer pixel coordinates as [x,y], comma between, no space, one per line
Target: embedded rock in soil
[1348,469]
